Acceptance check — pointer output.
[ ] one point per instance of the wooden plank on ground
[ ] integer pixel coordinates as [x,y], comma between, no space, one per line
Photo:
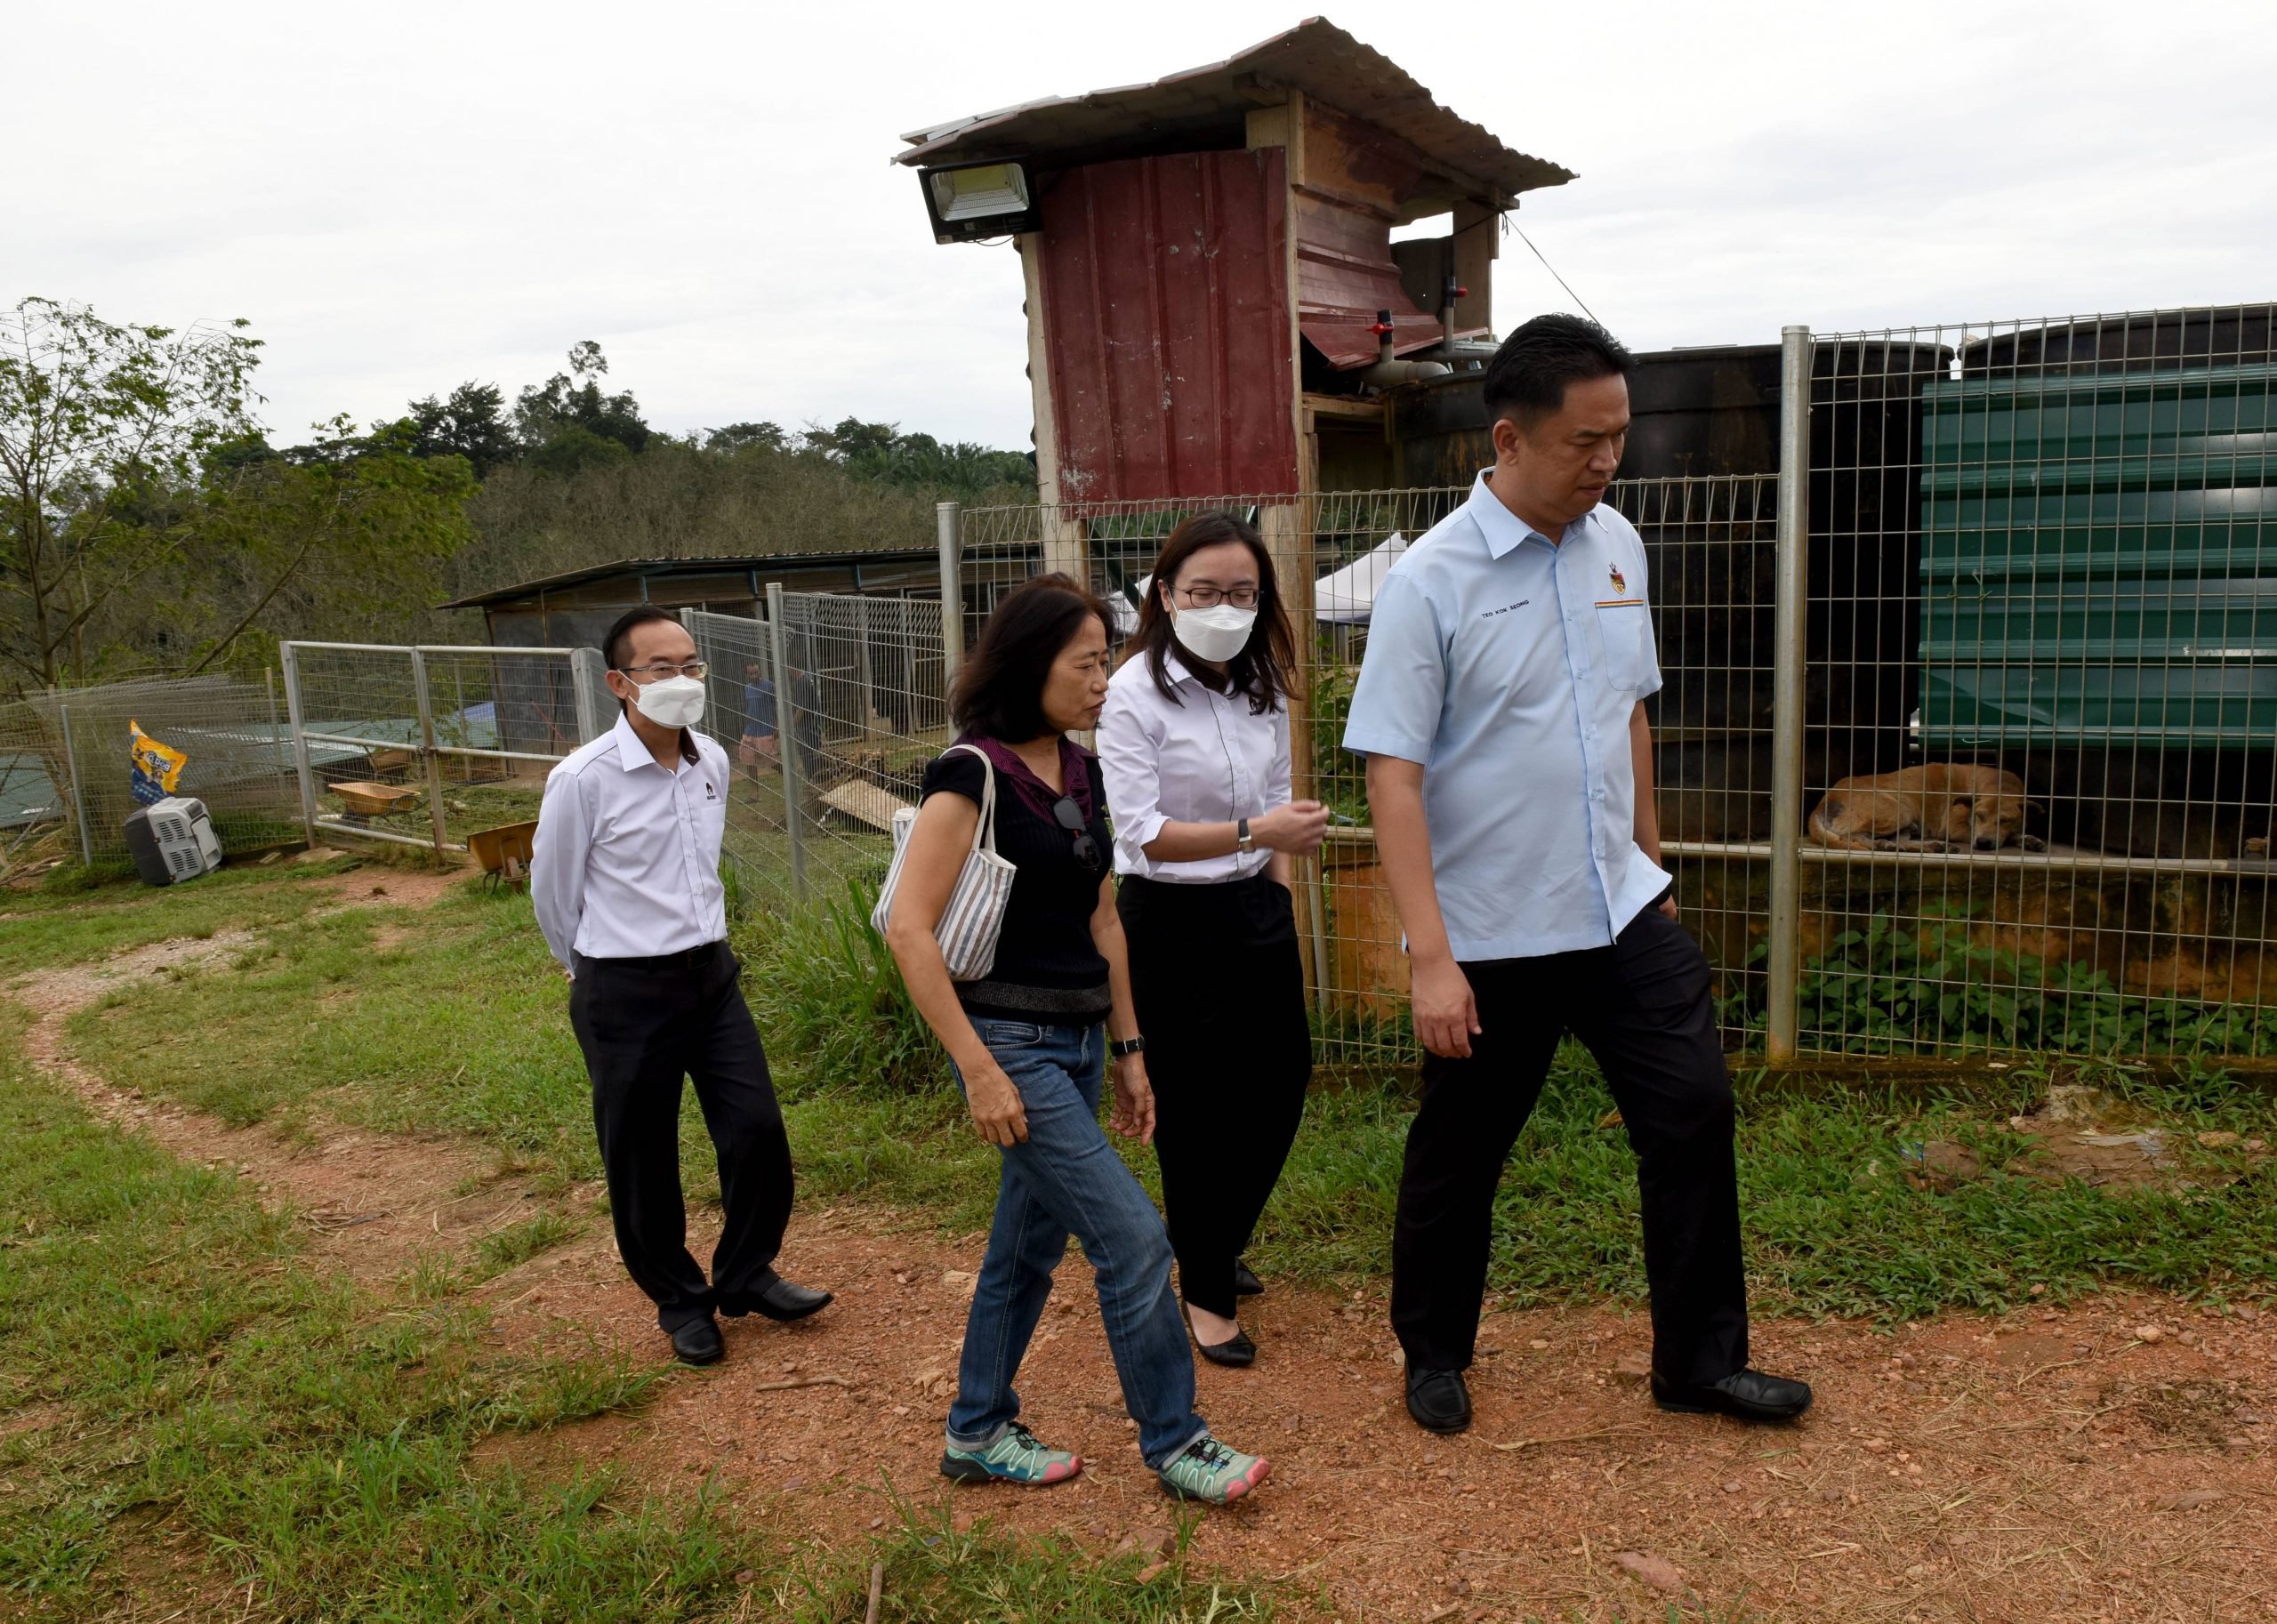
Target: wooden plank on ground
[865,803]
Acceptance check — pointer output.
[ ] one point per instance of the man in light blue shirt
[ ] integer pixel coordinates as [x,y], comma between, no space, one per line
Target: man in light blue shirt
[1501,706]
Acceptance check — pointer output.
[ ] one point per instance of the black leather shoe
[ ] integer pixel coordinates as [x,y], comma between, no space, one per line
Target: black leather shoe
[1245,1282]
[1747,1395]
[778,1301]
[1438,1400]
[697,1342]
[1237,1352]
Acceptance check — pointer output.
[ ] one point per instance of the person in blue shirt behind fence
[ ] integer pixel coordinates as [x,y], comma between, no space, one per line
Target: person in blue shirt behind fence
[1501,706]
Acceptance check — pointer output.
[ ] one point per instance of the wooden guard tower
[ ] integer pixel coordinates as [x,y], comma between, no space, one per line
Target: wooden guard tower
[1206,258]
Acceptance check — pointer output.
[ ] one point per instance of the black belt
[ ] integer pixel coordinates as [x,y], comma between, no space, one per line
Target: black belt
[687,958]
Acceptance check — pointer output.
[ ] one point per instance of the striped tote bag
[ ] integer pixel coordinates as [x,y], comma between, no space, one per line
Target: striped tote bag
[971,923]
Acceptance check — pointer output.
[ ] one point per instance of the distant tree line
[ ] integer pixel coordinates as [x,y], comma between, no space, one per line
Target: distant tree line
[148,524]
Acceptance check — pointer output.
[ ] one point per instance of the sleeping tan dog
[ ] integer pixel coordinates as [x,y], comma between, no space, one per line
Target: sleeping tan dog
[1940,806]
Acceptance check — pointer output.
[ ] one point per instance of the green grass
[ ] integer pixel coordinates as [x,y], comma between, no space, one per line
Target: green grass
[463,1030]
[87,915]
[198,1420]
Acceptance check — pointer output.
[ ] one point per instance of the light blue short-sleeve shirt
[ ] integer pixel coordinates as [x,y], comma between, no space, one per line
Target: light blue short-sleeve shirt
[1508,667]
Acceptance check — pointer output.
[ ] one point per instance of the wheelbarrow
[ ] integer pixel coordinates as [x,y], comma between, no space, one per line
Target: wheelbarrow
[503,852]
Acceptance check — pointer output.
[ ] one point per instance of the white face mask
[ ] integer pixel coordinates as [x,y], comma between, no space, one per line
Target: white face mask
[675,701]
[1215,634]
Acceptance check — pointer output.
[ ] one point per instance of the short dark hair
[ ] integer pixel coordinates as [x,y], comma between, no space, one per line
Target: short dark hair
[1260,671]
[999,692]
[615,641]
[1526,380]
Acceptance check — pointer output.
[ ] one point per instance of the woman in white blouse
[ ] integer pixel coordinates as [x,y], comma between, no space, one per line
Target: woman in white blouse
[1193,745]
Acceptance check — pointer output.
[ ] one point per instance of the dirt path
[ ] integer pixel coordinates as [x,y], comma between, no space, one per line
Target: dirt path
[372,1203]
[2107,1461]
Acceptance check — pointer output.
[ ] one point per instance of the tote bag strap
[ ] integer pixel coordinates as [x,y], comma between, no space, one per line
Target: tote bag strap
[984,837]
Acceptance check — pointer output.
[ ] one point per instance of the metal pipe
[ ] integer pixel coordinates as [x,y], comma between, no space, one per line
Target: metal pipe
[786,741]
[333,821]
[588,682]
[1782,1016]
[481,648]
[434,758]
[944,520]
[78,801]
[289,657]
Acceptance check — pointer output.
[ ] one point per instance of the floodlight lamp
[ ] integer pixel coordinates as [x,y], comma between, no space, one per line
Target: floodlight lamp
[977,200]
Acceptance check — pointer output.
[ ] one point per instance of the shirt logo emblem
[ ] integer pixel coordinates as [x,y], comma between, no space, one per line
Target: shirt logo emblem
[710,793]
[1620,584]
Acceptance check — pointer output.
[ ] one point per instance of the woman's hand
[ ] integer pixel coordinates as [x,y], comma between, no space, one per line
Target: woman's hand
[999,1114]
[1297,828]
[1134,1099]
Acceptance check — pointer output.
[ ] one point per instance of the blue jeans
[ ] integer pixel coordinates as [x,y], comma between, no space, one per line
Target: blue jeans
[1066,1177]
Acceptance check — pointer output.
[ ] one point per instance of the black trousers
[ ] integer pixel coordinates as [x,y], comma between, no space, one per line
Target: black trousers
[1220,996]
[1641,1007]
[645,1024]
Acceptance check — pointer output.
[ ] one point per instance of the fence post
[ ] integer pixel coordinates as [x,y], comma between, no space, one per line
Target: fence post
[289,657]
[869,681]
[588,682]
[786,738]
[78,801]
[945,516]
[434,757]
[1781,1010]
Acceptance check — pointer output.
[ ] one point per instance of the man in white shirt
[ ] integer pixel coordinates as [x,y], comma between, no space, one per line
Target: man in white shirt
[1501,709]
[624,874]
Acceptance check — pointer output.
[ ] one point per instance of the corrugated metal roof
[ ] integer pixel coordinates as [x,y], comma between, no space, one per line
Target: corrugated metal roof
[691,566]
[1204,106]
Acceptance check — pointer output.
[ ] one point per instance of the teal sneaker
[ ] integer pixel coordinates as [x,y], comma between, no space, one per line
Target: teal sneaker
[1016,1456]
[1213,1472]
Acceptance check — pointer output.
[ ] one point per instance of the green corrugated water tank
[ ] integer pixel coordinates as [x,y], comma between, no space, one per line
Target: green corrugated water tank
[2099,538]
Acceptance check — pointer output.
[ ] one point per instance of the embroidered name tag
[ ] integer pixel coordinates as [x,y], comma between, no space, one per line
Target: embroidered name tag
[1505,609]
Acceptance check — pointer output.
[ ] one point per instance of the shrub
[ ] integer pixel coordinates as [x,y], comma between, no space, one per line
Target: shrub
[829,997]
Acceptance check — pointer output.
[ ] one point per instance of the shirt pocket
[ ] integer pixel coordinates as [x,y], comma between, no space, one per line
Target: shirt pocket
[1622,628]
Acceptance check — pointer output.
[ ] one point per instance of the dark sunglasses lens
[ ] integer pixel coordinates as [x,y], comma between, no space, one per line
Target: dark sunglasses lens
[1070,815]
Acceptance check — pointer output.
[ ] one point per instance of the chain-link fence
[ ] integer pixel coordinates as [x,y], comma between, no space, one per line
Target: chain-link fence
[430,745]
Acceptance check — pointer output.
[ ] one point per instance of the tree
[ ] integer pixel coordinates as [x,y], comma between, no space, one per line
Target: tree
[470,424]
[355,538]
[102,425]
[738,437]
[881,451]
[574,399]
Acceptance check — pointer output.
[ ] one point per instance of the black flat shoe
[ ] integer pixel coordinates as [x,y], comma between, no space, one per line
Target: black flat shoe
[1746,1395]
[1245,1282]
[778,1301]
[1439,1400]
[697,1342]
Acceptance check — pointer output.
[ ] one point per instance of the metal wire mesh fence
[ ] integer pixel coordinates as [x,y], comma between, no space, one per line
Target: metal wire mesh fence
[2040,715]
[429,745]
[1711,542]
[66,767]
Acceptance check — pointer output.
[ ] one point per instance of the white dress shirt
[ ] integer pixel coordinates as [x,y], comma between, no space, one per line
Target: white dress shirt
[626,864]
[1204,760]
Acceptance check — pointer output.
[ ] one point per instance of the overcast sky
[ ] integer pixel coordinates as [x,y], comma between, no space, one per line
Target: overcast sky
[405,199]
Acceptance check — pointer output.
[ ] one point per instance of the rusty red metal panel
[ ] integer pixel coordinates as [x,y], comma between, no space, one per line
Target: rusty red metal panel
[1345,275]
[1166,305]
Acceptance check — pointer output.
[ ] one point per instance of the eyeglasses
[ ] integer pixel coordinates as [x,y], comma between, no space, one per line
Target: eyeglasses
[1210,597]
[1071,819]
[658,673]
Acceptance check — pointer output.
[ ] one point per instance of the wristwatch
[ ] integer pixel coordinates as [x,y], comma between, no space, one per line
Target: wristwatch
[1244,841]
[1127,1047]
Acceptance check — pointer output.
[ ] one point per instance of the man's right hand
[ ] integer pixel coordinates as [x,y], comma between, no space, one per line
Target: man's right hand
[1446,1012]
[999,1114]
[1297,828]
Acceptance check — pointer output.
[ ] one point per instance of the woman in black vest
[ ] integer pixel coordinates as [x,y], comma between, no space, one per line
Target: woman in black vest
[1029,1042]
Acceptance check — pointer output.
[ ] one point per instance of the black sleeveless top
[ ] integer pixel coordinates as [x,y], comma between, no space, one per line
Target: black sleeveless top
[1047,970]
